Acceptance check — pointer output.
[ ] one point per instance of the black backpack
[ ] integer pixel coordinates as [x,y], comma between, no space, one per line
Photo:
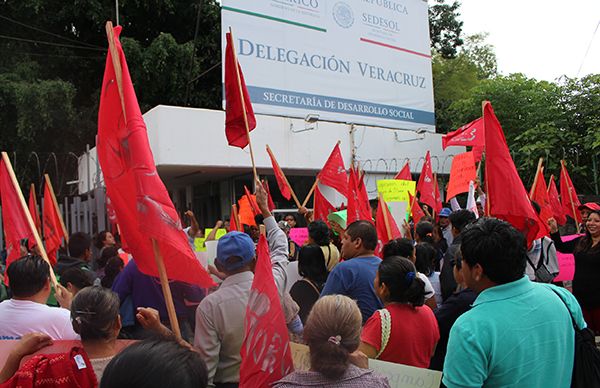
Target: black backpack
[586,366]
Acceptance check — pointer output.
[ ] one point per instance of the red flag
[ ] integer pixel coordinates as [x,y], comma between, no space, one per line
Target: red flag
[266,354]
[333,173]
[404,174]
[235,127]
[284,188]
[246,214]
[507,198]
[33,210]
[270,202]
[234,221]
[477,153]
[358,201]
[416,211]
[138,196]
[557,209]
[540,196]
[252,201]
[425,185]
[53,232]
[568,196]
[383,233]
[468,135]
[14,218]
[321,206]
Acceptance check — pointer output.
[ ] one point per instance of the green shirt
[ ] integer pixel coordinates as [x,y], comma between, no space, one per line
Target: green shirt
[517,334]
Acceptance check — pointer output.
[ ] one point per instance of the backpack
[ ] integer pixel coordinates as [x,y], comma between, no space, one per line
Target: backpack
[541,271]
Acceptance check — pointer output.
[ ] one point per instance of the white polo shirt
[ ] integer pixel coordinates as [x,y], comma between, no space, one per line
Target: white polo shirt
[20,317]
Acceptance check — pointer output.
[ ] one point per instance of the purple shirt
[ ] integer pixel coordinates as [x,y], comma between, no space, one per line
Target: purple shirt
[145,291]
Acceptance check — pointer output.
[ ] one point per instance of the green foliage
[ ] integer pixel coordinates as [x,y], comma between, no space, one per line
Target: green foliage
[445,28]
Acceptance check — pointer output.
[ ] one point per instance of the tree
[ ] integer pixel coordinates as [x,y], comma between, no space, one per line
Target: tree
[445,28]
[52,62]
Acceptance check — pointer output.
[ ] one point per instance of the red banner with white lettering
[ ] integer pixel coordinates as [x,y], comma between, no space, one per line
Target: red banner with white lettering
[266,354]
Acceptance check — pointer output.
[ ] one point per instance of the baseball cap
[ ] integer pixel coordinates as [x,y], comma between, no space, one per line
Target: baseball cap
[590,205]
[445,212]
[236,244]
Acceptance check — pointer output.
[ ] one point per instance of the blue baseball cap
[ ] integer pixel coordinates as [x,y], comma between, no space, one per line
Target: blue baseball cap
[445,212]
[236,244]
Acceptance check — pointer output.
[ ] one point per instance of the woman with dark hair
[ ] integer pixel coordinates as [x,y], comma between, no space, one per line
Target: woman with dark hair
[156,363]
[104,239]
[586,249]
[311,266]
[404,331]
[424,232]
[106,254]
[426,257]
[113,267]
[319,234]
[333,335]
[95,317]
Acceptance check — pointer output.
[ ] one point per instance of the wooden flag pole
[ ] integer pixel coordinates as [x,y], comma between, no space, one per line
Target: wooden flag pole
[236,216]
[36,236]
[239,81]
[386,220]
[549,182]
[284,177]
[564,172]
[312,189]
[32,190]
[60,217]
[116,61]
[535,180]
[164,282]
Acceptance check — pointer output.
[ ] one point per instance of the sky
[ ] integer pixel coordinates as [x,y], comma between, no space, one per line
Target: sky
[544,39]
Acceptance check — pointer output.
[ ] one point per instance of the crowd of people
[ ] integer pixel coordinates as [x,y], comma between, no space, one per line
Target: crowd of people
[468,297]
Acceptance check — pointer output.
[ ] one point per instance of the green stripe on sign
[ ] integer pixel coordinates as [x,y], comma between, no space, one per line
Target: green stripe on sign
[275,19]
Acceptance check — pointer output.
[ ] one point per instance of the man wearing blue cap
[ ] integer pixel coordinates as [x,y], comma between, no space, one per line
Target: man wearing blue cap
[444,222]
[220,316]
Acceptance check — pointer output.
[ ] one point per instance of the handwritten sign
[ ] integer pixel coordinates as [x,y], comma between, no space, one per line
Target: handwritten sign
[396,190]
[398,375]
[299,235]
[220,232]
[462,172]
[199,244]
[566,262]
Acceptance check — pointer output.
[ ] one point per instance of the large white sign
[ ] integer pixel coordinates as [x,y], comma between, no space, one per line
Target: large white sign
[356,61]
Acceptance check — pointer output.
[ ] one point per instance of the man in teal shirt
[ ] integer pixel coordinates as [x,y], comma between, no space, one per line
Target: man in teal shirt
[518,333]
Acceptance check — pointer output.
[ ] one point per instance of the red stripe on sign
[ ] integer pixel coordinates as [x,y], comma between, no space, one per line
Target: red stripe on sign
[395,47]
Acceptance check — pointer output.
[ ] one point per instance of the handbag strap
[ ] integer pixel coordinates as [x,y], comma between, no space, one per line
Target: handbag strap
[568,309]
[386,329]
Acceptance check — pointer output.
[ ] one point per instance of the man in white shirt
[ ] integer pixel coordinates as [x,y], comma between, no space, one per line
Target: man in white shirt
[27,312]
[220,316]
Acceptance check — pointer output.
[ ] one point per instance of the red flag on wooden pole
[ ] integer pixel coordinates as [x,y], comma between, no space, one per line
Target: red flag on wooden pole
[425,185]
[53,231]
[358,201]
[333,173]
[138,196]
[507,198]
[284,186]
[404,174]
[568,196]
[557,208]
[386,226]
[33,209]
[415,209]
[540,196]
[470,134]
[17,221]
[266,354]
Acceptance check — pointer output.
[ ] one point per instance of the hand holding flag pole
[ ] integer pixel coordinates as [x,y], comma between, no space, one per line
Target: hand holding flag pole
[23,204]
[164,281]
